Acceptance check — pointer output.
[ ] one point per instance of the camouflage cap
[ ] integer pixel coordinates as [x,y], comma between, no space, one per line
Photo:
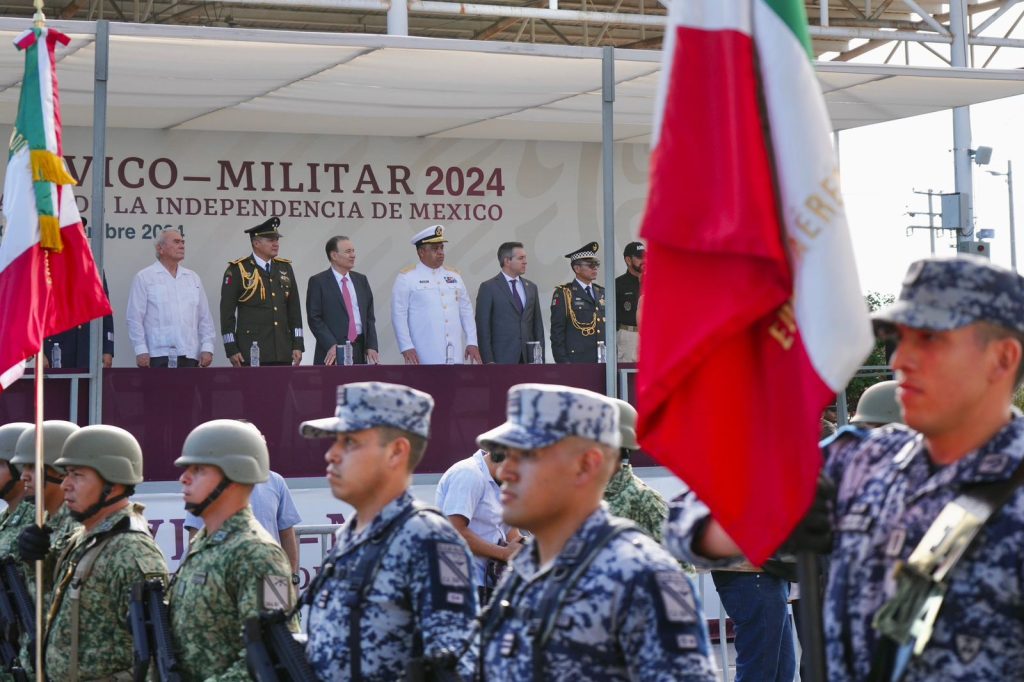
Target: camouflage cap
[948,293]
[543,414]
[367,404]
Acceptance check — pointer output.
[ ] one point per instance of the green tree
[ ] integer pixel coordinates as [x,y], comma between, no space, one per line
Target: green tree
[859,383]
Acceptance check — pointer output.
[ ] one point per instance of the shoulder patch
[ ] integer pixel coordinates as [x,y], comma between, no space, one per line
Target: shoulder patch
[408,268]
[675,610]
[275,593]
[450,576]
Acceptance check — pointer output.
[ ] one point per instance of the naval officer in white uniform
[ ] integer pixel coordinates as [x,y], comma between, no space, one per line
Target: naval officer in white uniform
[430,307]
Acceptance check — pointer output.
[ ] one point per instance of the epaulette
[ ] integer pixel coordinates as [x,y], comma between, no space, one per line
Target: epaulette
[452,270]
[404,270]
[236,262]
[281,260]
[567,286]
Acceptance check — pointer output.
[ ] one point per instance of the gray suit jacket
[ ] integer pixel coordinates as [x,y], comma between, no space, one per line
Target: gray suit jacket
[503,331]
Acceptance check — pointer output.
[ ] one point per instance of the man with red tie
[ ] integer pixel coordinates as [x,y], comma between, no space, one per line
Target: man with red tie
[339,307]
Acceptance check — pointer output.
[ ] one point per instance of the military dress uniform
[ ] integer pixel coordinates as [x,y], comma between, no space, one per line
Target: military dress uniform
[632,615]
[422,597]
[577,318]
[261,306]
[430,309]
[123,553]
[226,577]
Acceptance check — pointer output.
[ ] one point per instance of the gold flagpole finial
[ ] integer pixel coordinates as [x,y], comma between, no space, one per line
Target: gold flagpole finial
[39,19]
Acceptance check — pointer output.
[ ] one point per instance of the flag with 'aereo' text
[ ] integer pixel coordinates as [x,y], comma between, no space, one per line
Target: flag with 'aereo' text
[760,319]
[49,282]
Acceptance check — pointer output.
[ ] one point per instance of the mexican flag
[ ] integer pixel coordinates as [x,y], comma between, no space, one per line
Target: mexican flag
[48,278]
[749,256]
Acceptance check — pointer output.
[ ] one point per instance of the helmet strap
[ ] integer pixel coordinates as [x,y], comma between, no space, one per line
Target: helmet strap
[198,508]
[104,501]
[15,480]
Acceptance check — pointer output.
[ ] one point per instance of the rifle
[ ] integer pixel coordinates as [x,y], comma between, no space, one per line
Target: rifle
[271,651]
[24,604]
[10,634]
[151,633]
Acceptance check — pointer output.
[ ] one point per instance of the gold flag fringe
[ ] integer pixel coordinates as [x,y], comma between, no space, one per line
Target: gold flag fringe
[48,167]
[49,233]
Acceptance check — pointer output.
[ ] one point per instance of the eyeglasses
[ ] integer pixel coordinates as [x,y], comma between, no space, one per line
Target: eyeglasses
[590,263]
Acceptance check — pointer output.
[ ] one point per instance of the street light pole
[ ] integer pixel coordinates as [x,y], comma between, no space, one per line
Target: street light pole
[1013,228]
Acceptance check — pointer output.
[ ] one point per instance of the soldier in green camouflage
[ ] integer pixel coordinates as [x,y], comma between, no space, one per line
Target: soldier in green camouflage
[20,511]
[627,496]
[234,568]
[46,543]
[87,635]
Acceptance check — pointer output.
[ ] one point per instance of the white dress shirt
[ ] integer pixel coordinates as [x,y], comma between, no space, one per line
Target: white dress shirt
[167,311]
[352,292]
[520,289]
[429,310]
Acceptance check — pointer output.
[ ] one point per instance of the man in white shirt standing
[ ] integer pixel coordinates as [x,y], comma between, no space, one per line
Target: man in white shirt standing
[168,312]
[430,308]
[470,496]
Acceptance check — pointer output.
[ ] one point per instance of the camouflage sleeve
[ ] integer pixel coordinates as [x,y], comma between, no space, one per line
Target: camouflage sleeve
[662,633]
[230,290]
[262,576]
[443,597]
[686,517]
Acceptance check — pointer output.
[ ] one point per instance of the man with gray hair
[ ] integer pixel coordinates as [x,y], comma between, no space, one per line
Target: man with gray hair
[395,599]
[923,524]
[590,596]
[168,312]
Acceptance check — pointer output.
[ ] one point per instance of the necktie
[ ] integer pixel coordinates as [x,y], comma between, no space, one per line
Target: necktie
[590,293]
[516,301]
[348,309]
[268,267]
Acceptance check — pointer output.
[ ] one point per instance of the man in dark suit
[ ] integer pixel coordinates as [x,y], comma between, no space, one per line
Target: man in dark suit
[75,342]
[577,310]
[339,307]
[508,311]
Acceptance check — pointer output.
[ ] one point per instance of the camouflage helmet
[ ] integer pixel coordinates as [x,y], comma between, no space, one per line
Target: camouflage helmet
[55,433]
[111,451]
[627,424]
[237,448]
[877,405]
[9,434]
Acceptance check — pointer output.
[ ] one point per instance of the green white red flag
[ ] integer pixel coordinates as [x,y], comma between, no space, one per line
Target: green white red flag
[49,282]
[749,256]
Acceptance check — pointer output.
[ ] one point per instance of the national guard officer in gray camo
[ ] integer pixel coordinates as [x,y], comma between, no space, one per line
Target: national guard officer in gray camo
[577,309]
[234,568]
[898,514]
[590,597]
[396,596]
[259,301]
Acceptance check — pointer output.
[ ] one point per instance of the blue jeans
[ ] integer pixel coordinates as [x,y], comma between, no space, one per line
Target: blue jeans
[757,604]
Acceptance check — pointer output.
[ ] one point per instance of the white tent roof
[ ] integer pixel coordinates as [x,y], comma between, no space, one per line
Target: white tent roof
[200,78]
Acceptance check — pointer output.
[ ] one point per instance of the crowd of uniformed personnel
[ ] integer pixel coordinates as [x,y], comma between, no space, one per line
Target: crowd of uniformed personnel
[923,522]
[432,313]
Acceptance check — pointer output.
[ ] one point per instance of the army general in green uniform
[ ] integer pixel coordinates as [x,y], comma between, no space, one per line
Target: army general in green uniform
[259,302]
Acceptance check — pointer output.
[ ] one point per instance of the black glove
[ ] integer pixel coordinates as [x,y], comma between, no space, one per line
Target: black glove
[34,542]
[814,532]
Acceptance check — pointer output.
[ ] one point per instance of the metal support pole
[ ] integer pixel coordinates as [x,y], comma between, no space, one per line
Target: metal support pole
[1013,227]
[608,177]
[931,222]
[99,178]
[398,18]
[962,123]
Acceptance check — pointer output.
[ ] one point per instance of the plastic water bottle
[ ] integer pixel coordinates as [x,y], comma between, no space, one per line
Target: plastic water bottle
[449,354]
[254,355]
[602,353]
[172,358]
[55,356]
[347,355]
[536,355]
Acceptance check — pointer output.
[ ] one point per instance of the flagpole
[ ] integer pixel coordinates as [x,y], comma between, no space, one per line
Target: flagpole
[40,483]
[812,634]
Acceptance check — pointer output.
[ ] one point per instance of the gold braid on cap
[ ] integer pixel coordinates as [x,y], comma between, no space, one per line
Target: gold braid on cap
[588,329]
[251,282]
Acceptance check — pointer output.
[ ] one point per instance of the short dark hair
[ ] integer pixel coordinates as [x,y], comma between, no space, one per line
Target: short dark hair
[332,244]
[989,331]
[417,443]
[506,250]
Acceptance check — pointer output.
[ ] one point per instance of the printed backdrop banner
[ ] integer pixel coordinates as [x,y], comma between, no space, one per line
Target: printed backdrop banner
[378,191]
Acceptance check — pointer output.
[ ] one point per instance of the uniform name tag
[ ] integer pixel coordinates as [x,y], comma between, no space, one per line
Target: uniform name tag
[276,594]
[894,546]
[676,597]
[199,579]
[854,523]
[686,641]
